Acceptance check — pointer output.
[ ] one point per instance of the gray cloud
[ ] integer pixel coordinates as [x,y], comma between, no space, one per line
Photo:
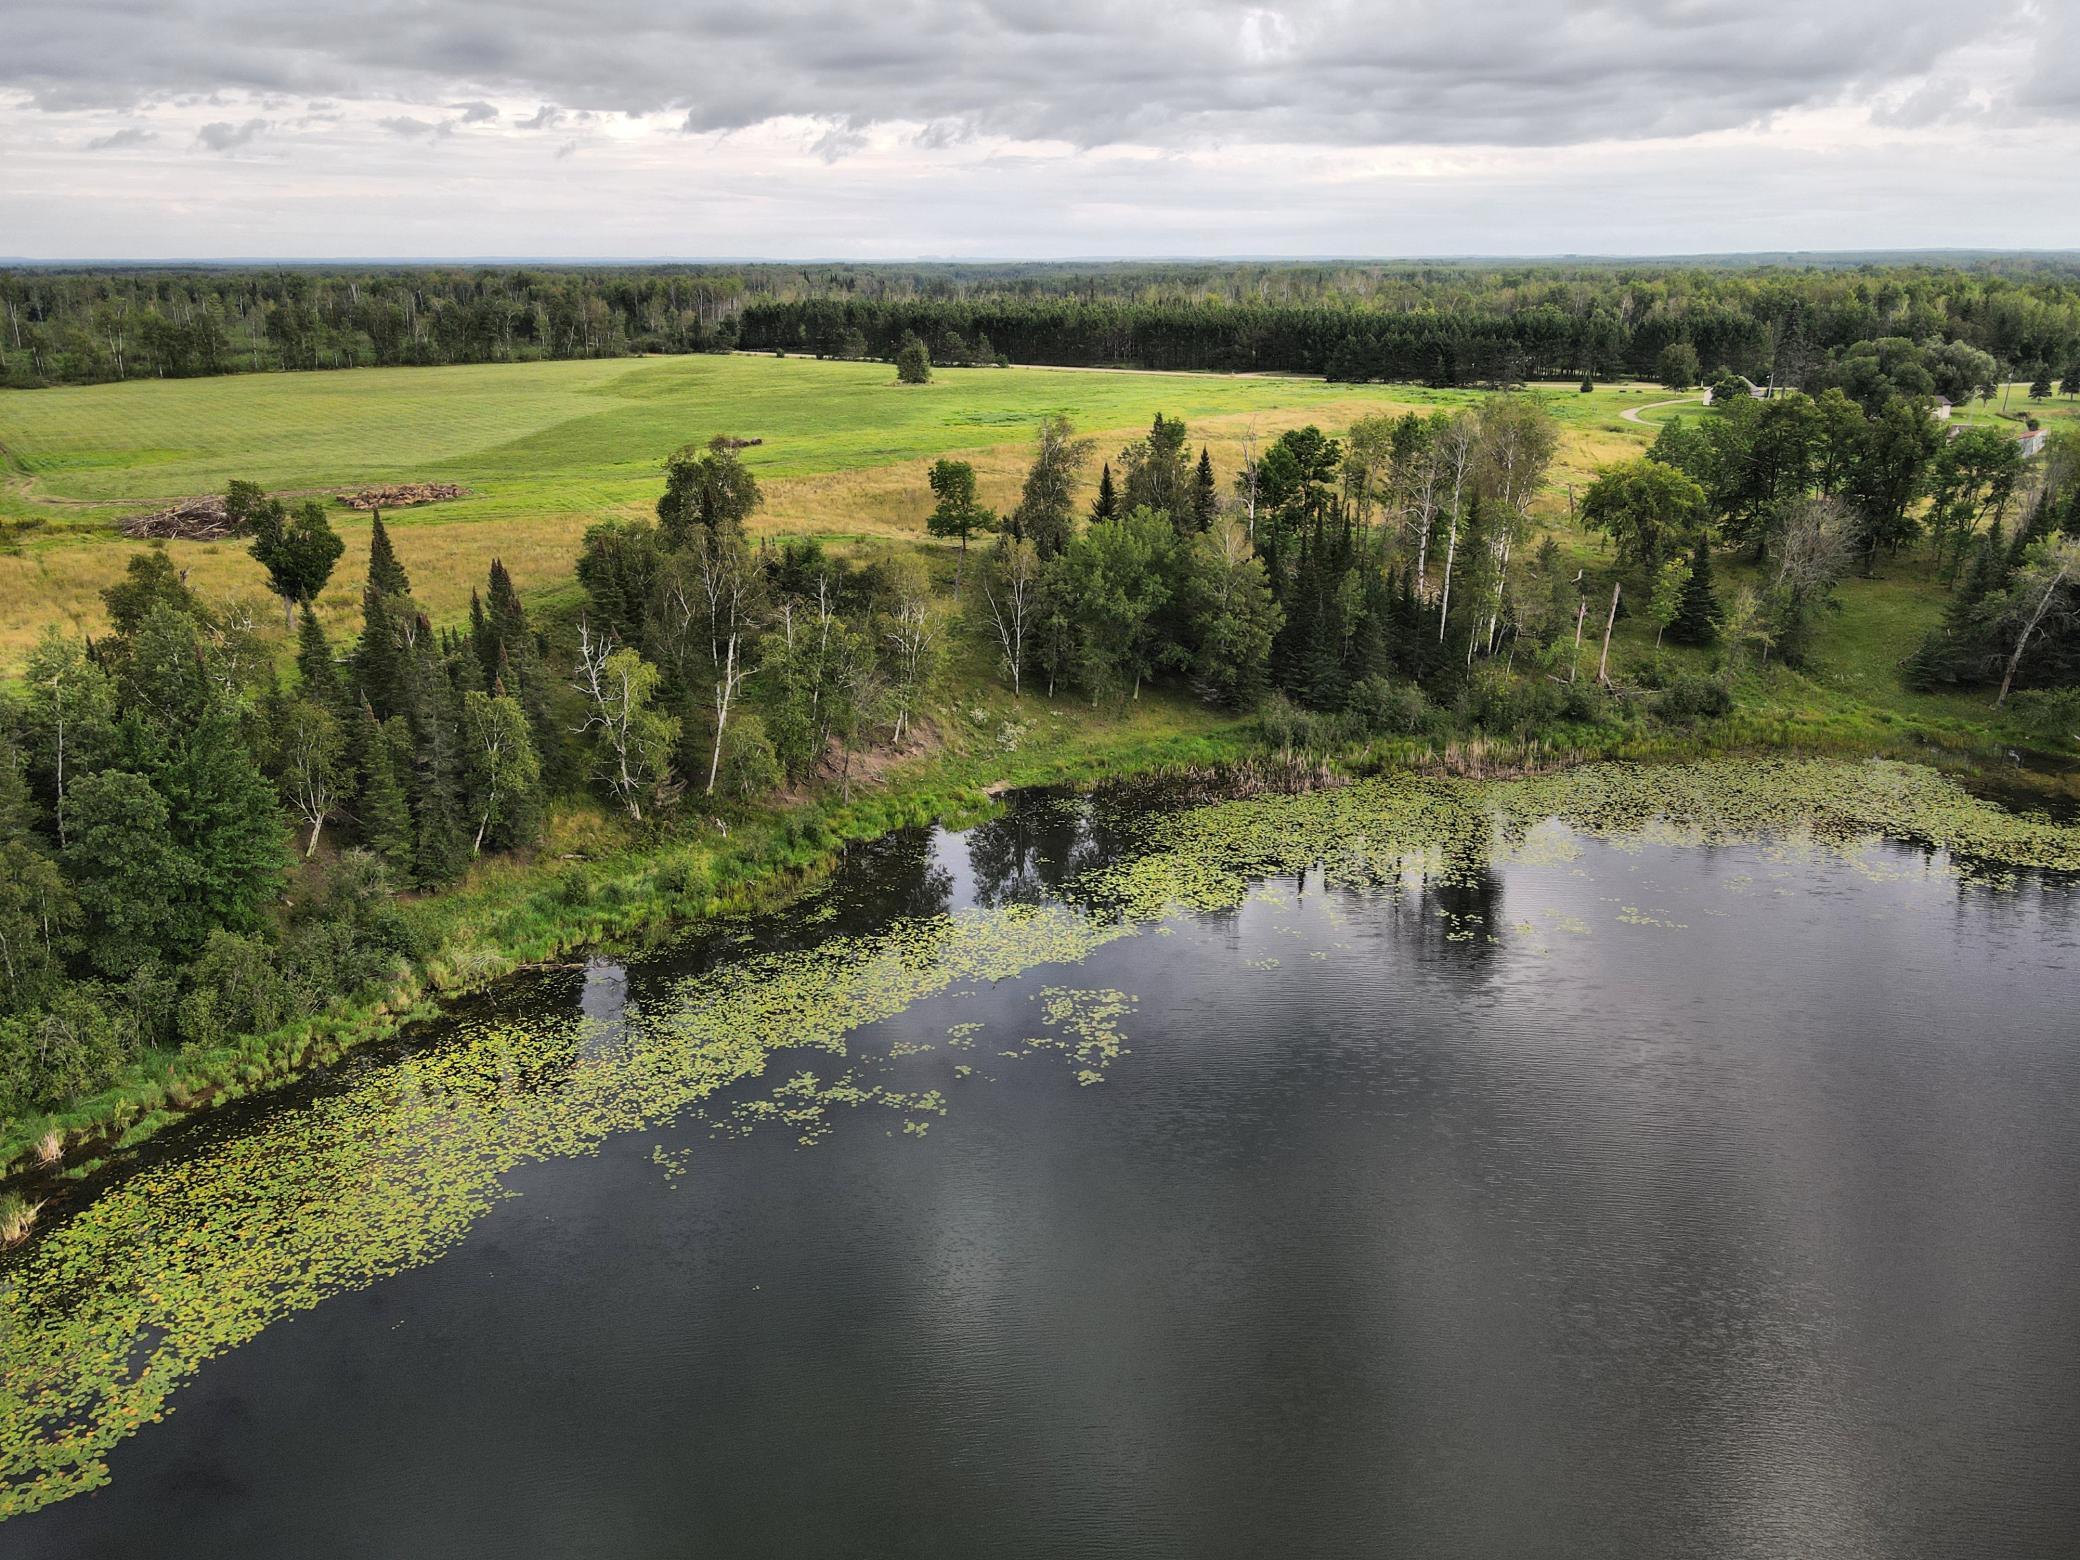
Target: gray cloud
[547,117]
[838,143]
[1091,72]
[220,135]
[411,129]
[2054,85]
[474,113]
[134,136]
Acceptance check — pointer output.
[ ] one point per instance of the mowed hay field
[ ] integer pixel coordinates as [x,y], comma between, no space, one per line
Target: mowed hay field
[546,449]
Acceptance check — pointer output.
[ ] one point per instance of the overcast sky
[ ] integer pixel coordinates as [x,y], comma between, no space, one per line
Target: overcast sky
[896,128]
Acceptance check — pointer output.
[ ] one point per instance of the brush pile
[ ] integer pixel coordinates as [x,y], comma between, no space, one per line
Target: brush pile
[191,520]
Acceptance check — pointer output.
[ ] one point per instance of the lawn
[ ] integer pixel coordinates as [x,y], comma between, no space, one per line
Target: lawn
[547,448]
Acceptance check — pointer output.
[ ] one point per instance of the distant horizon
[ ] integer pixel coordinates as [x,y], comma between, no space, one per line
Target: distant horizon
[1848,253]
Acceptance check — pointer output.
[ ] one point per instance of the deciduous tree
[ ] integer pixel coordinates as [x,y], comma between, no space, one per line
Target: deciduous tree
[956,514]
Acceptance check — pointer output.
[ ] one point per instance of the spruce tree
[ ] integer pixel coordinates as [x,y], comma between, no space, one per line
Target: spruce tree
[459,655]
[1107,506]
[1205,496]
[385,573]
[382,811]
[1697,619]
[517,662]
[481,644]
[440,843]
[314,663]
[1953,651]
[381,658]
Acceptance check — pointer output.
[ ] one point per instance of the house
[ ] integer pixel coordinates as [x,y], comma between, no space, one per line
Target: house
[1940,409]
[2032,442]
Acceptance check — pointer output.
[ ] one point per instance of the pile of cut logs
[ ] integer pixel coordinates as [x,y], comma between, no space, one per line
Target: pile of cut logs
[402,495]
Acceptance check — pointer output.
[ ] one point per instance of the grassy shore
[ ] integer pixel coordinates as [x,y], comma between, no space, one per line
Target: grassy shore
[595,883]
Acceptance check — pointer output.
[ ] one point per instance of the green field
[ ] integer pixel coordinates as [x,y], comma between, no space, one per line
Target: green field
[547,448]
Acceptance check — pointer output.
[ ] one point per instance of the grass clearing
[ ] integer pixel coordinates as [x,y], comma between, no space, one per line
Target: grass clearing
[546,449]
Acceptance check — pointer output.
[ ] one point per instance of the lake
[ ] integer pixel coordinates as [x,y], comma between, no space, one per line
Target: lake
[1580,1183]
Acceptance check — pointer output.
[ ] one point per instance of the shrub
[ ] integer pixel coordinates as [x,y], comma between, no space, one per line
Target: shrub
[1503,705]
[750,767]
[71,1047]
[573,886]
[1287,726]
[1379,707]
[1656,669]
[236,988]
[1580,703]
[1279,719]
[2050,716]
[1691,699]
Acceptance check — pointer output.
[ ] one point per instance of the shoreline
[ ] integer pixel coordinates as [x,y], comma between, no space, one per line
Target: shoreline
[509,917]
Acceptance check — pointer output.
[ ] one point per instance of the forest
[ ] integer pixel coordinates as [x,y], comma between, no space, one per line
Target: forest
[1446,324]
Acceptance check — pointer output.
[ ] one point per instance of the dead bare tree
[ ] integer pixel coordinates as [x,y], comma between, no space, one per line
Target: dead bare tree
[2051,574]
[1603,666]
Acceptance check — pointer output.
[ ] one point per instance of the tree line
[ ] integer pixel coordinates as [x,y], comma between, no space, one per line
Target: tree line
[1461,324]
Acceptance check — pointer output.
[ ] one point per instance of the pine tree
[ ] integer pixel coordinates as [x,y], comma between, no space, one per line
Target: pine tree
[517,662]
[1953,650]
[382,810]
[1107,506]
[1697,618]
[385,574]
[1205,496]
[314,662]
[913,362]
[481,644]
[387,614]
[440,842]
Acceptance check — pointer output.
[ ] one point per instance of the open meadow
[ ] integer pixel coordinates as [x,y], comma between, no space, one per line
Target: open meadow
[546,449]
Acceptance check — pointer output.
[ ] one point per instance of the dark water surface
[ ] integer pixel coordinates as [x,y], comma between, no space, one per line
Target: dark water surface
[1727,1205]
